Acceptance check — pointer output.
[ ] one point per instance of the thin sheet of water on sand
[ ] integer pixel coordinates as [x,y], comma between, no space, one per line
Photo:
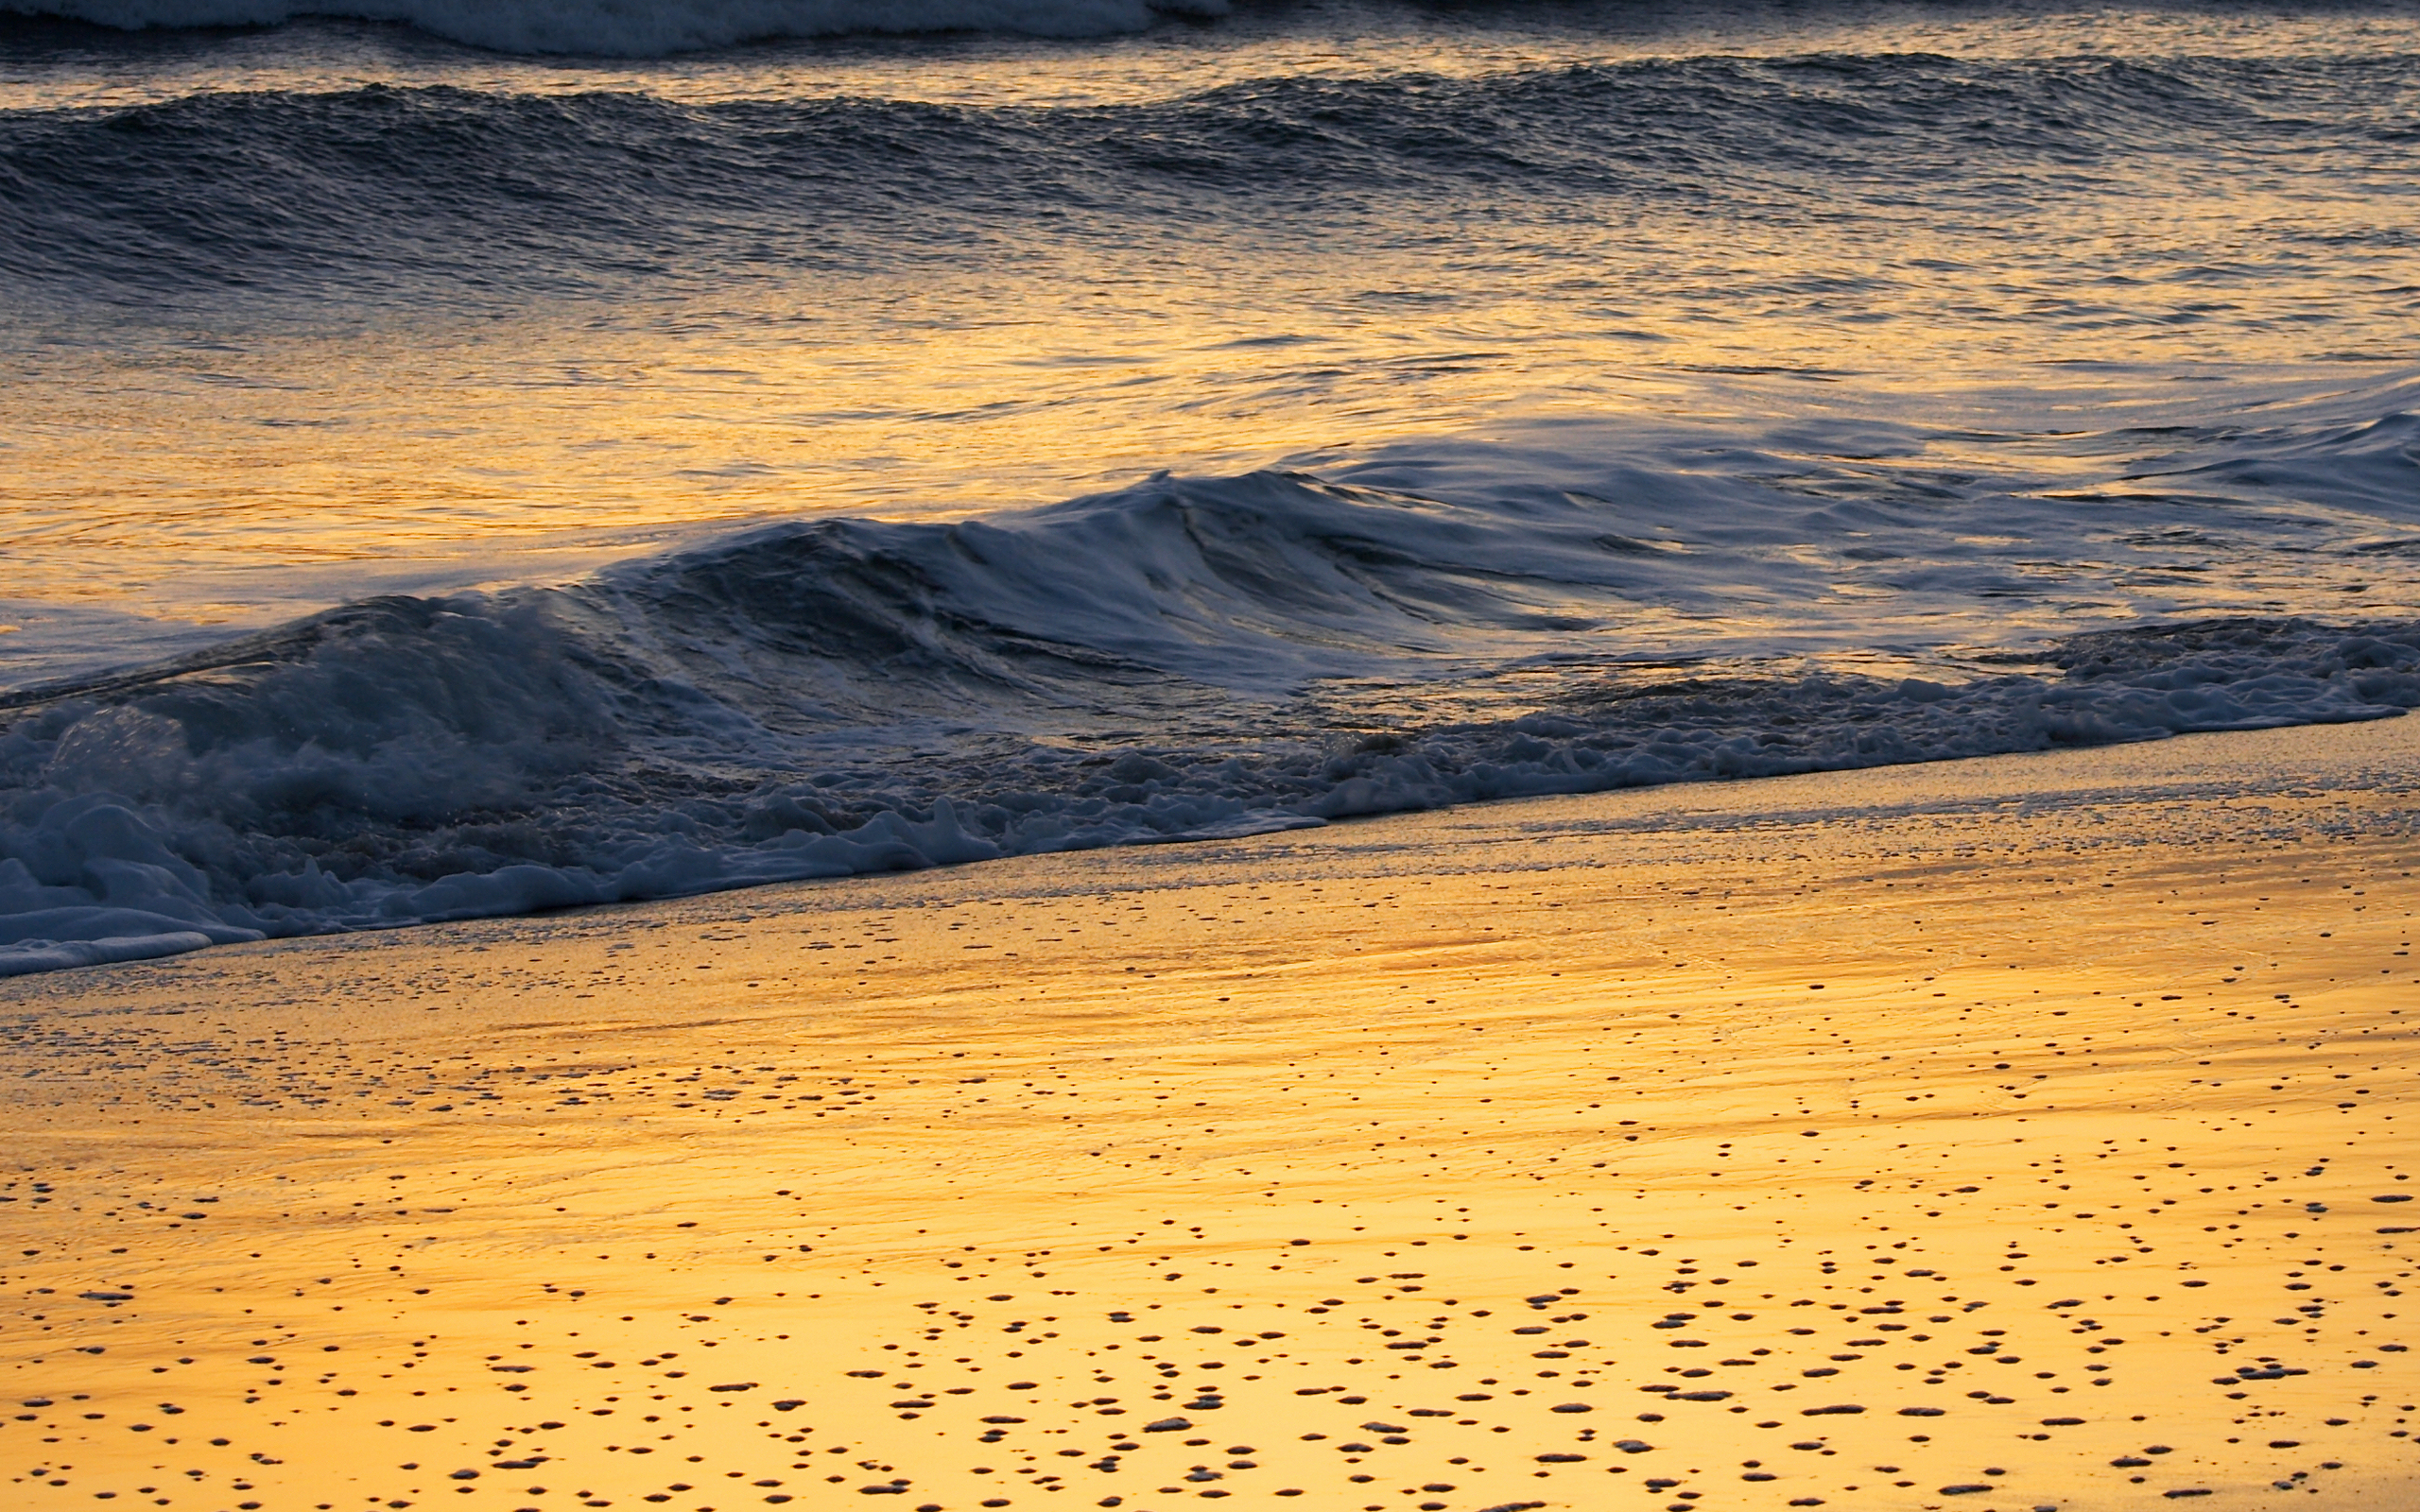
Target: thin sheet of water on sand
[2012,1134]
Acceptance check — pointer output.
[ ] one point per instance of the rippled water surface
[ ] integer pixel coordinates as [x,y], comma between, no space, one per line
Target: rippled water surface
[710,464]
[336,294]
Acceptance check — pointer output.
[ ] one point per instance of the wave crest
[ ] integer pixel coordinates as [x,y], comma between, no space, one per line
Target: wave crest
[1182,660]
[641,28]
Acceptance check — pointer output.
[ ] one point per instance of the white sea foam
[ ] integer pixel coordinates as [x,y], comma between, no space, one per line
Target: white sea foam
[1185,659]
[204,857]
[642,29]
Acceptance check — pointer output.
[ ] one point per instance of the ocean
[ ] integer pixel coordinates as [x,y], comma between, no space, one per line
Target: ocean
[471,459]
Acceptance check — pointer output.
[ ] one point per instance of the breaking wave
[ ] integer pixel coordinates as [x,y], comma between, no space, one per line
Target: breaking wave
[1181,660]
[450,195]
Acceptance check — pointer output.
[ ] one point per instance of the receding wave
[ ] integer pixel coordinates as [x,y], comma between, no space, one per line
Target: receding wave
[651,28]
[1181,660]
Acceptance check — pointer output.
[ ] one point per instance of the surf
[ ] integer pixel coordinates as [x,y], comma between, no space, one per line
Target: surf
[1182,660]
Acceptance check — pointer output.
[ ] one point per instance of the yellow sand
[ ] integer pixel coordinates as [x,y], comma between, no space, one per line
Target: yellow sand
[1951,1136]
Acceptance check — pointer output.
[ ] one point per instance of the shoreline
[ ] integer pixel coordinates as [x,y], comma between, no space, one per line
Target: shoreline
[1268,1100]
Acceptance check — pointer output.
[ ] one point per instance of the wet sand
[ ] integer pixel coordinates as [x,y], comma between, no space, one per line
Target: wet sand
[2022,1133]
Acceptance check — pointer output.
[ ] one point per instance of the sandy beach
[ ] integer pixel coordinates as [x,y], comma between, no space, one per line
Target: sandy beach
[2029,1132]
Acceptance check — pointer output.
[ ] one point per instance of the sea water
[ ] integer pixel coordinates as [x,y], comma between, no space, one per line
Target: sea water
[469,458]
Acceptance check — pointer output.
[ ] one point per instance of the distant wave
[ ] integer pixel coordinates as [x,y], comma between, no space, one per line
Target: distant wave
[460,194]
[640,28]
[1181,660]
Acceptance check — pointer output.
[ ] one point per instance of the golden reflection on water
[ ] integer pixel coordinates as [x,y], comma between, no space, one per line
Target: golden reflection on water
[388,448]
[176,457]
[1313,42]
